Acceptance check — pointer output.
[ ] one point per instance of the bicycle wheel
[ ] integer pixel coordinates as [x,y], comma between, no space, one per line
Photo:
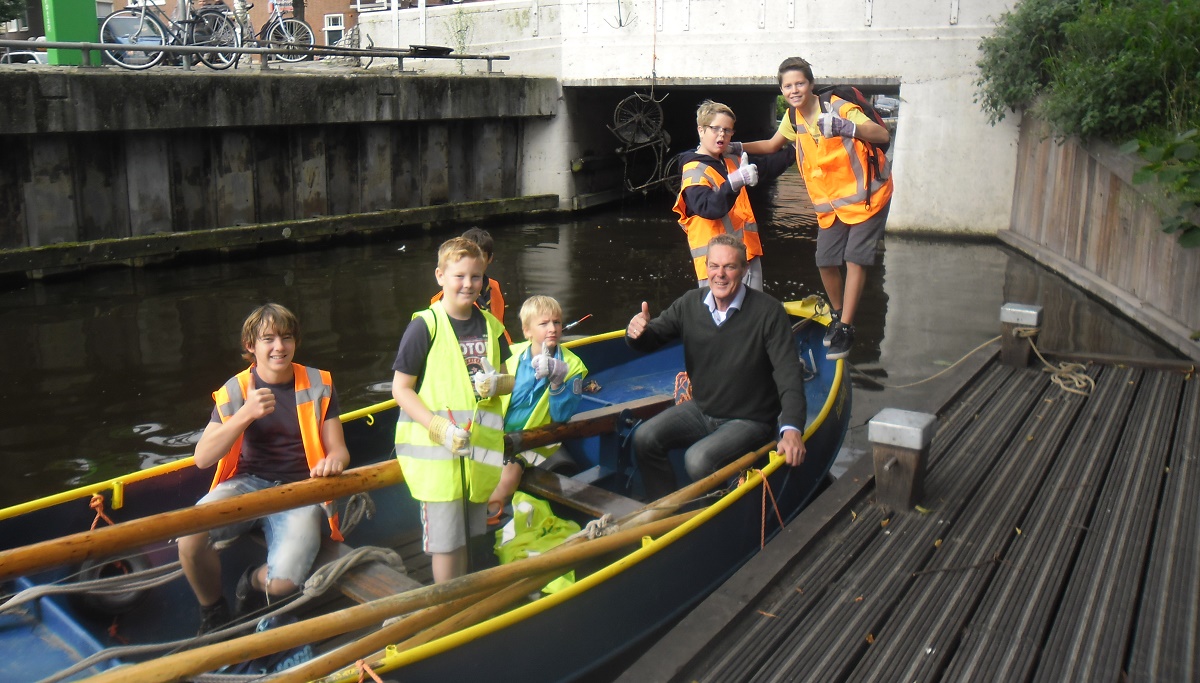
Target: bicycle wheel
[672,177]
[642,166]
[131,27]
[294,37]
[215,28]
[637,119]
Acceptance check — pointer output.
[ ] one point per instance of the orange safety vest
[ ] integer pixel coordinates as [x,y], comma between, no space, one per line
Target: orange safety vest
[835,171]
[739,221]
[314,388]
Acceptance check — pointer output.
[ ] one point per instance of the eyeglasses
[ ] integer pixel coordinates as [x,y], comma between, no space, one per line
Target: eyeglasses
[721,131]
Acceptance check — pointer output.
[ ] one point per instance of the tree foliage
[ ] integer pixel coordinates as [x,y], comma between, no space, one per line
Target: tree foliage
[1110,70]
[12,9]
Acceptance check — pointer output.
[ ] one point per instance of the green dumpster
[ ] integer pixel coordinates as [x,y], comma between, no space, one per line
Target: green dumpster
[70,21]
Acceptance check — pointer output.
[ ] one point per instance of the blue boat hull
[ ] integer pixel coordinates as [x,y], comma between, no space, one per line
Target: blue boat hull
[617,603]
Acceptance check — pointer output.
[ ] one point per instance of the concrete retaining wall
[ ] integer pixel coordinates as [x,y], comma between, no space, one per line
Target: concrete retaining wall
[103,154]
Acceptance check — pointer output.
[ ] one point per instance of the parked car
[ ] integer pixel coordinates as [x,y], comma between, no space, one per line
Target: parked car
[24,57]
[888,107]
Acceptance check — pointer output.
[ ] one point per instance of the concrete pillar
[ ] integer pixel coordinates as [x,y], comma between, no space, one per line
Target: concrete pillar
[1014,350]
[900,446]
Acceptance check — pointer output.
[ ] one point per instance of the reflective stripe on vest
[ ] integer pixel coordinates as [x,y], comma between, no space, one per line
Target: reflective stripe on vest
[446,389]
[700,231]
[541,410]
[835,173]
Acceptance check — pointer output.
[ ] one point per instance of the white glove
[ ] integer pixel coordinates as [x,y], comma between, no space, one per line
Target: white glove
[546,365]
[746,174]
[833,125]
[490,383]
[454,439]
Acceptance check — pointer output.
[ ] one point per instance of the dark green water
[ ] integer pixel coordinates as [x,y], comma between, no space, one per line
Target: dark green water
[113,371]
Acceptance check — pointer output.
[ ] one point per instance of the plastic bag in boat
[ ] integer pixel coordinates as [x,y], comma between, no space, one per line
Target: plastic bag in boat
[533,530]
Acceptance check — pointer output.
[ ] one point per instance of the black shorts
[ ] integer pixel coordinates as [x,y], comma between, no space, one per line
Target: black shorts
[856,243]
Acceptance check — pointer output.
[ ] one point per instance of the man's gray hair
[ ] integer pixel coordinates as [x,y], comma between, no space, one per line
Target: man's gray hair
[733,241]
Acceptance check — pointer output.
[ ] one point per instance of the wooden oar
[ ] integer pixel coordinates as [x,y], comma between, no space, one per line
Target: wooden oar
[590,423]
[408,626]
[180,665]
[109,540]
[471,614]
[669,503]
[373,641]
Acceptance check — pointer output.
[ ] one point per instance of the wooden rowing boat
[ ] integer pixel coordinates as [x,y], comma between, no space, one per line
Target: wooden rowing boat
[629,585]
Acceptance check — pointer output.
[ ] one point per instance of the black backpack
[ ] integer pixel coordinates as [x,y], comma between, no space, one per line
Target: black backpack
[851,94]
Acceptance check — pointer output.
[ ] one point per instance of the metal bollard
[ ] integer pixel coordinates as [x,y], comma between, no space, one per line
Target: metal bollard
[900,446]
[1014,350]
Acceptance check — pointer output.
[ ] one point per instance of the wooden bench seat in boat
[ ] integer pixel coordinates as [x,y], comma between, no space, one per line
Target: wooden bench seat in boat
[576,494]
[368,581]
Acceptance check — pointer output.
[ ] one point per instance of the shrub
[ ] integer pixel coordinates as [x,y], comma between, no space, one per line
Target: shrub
[1112,70]
[1014,66]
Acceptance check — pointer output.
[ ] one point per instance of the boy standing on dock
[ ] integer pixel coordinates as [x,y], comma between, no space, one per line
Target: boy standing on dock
[275,422]
[549,377]
[834,154]
[450,433]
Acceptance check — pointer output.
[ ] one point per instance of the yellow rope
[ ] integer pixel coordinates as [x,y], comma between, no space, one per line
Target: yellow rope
[956,363]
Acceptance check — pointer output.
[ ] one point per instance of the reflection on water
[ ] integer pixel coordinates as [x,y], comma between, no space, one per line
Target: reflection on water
[114,371]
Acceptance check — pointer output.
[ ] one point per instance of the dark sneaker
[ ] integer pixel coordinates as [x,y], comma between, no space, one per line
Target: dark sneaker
[214,616]
[836,319]
[842,340]
[247,598]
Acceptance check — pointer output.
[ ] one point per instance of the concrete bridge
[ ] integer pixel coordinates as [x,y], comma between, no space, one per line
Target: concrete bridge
[954,171]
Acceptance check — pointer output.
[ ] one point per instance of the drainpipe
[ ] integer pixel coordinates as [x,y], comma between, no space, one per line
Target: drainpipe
[421,4]
[396,21]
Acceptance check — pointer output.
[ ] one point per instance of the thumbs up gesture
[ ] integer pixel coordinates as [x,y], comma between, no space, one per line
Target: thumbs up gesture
[639,322]
[490,383]
[259,402]
[546,365]
[745,174]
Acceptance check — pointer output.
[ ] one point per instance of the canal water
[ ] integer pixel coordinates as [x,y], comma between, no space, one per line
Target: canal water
[113,370]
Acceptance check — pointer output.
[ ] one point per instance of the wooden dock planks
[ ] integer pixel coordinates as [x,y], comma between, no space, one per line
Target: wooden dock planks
[1062,542]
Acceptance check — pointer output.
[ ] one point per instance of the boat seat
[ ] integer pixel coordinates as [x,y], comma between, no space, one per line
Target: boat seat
[576,494]
[365,582]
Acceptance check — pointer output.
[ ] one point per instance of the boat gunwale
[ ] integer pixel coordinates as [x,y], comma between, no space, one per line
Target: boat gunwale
[392,660]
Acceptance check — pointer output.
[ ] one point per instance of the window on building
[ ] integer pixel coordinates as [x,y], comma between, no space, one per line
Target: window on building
[335,28]
[21,23]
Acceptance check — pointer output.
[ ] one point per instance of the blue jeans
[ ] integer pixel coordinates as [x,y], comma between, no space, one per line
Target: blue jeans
[710,443]
[293,536]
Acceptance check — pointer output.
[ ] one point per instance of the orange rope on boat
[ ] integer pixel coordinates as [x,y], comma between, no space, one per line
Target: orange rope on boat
[97,504]
[365,670]
[683,388]
[762,539]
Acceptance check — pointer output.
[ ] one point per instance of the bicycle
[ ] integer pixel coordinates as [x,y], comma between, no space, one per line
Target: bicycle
[294,36]
[146,24]
[637,122]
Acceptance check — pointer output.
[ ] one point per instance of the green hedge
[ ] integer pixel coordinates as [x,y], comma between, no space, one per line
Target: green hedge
[1126,71]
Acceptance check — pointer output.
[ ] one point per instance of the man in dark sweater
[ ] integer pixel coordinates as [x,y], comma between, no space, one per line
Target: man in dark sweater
[747,383]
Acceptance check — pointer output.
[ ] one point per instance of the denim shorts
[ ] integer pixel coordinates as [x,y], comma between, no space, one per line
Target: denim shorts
[293,536]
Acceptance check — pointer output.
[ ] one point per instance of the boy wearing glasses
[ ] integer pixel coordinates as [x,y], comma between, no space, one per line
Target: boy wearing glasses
[712,197]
